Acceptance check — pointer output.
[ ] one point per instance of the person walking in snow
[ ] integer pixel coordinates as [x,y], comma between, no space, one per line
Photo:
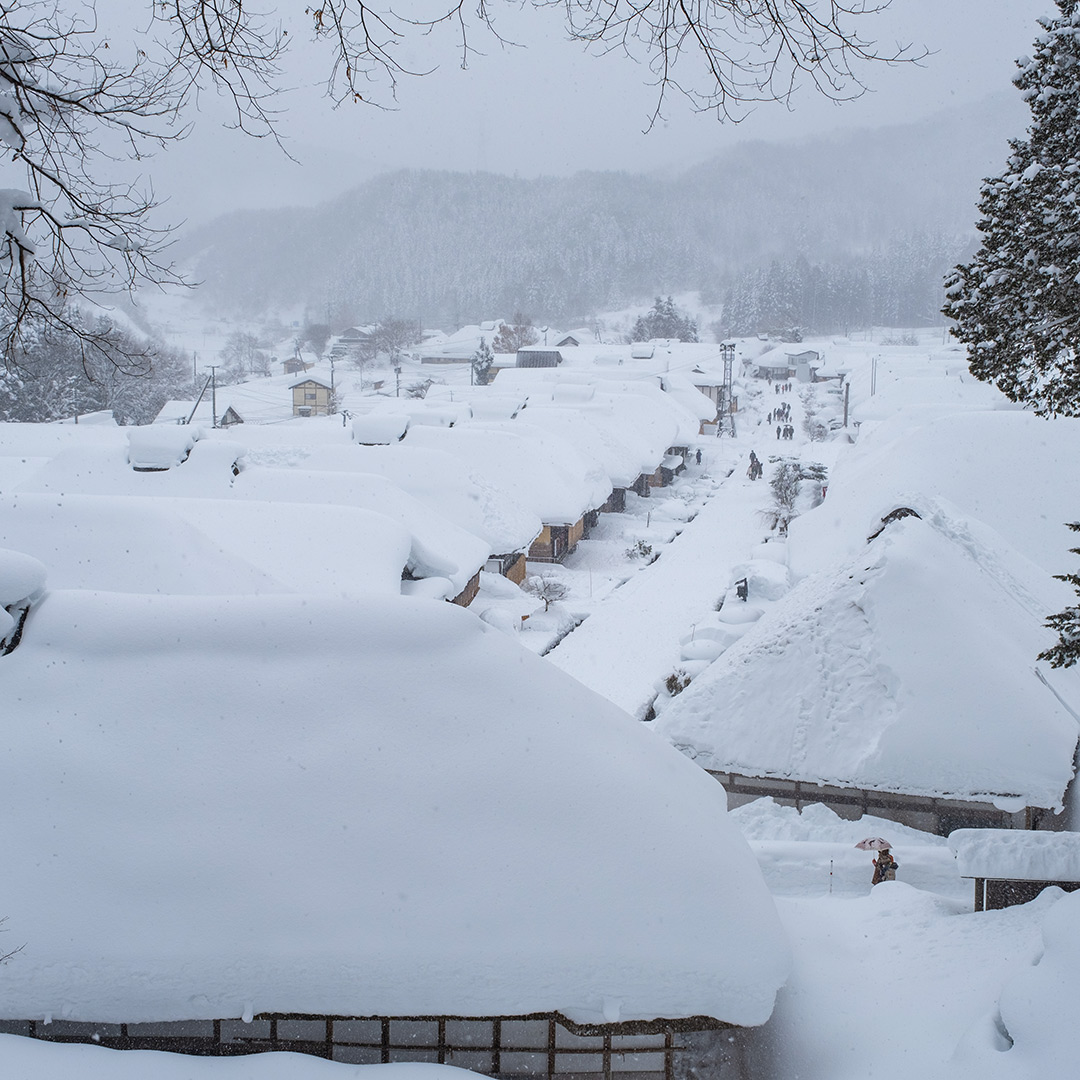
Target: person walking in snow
[778,431]
[885,867]
[699,457]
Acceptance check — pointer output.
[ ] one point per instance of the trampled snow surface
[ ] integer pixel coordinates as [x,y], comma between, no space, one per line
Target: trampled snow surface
[237,804]
[903,979]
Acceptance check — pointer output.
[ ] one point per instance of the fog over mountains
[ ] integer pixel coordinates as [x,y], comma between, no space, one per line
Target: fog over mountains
[825,233]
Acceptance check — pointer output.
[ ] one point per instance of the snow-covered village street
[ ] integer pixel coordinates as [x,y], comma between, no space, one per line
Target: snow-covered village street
[823,648]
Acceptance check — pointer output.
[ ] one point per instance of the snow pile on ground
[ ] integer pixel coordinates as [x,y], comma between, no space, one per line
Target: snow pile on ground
[765,819]
[887,984]
[1009,853]
[230,805]
[21,576]
[26,1059]
[1032,1031]
[22,579]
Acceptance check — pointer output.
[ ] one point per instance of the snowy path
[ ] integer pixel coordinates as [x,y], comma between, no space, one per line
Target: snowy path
[887,985]
[632,641]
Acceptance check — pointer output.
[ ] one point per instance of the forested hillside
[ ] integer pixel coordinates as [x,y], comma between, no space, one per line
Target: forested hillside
[825,234]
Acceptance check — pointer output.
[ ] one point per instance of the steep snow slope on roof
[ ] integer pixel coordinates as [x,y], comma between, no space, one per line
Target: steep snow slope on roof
[207,546]
[443,482]
[909,668]
[1018,473]
[229,805]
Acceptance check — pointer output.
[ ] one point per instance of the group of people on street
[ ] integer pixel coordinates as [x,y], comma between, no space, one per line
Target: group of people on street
[785,431]
[781,412]
[782,387]
[756,468]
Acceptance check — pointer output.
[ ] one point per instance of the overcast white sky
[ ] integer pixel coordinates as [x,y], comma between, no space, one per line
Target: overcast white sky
[552,108]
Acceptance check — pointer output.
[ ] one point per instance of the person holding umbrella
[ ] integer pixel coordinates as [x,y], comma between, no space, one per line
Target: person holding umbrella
[885,866]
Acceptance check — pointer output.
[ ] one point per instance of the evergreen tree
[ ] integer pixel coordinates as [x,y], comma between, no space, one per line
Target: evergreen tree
[664,320]
[1017,303]
[1067,623]
[481,364]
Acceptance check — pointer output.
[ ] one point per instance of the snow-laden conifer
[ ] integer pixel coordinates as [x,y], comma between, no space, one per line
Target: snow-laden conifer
[1067,623]
[1017,303]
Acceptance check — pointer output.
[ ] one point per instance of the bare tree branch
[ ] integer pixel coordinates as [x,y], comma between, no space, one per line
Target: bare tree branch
[71,113]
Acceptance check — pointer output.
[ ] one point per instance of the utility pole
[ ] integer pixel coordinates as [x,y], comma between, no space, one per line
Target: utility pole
[397,376]
[728,394]
[213,394]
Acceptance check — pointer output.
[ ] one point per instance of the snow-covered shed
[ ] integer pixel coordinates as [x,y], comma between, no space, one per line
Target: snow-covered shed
[1012,867]
[382,869]
[379,428]
[156,448]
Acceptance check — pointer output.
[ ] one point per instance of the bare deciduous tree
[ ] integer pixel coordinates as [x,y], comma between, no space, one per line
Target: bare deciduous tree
[73,106]
[545,588]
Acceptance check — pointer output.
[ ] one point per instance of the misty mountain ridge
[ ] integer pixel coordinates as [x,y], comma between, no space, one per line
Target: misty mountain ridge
[454,247]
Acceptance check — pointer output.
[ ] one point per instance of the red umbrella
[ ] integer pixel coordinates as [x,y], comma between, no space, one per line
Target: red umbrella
[874,843]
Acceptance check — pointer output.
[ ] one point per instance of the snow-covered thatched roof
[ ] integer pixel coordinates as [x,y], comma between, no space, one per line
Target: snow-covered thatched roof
[907,668]
[444,482]
[227,805]
[548,474]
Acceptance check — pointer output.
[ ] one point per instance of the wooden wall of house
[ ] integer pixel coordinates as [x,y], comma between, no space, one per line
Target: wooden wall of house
[934,814]
[616,502]
[541,549]
[555,542]
[319,405]
[468,594]
[656,479]
[576,533]
[537,1046]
